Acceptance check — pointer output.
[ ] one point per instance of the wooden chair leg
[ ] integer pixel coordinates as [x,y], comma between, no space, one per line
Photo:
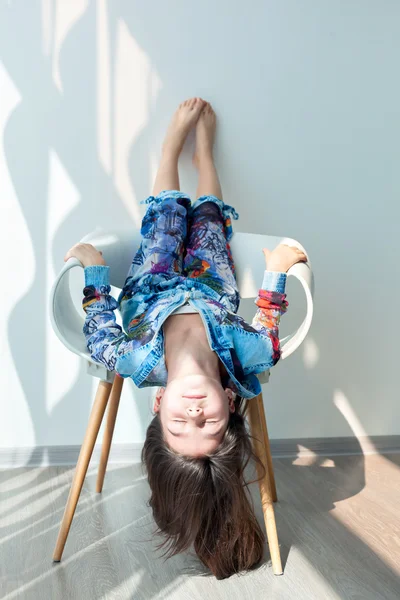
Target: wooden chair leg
[96,416]
[112,410]
[267,447]
[264,484]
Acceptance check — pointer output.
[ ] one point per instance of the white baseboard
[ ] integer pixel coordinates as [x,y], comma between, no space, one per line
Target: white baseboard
[42,456]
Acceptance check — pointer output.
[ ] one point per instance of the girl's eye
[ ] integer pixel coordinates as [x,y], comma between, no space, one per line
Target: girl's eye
[178,421]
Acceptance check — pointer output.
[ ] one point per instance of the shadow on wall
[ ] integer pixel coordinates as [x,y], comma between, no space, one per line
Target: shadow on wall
[60,115]
[63,122]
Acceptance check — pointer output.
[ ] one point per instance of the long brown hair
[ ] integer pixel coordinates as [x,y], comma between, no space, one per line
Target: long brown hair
[205,500]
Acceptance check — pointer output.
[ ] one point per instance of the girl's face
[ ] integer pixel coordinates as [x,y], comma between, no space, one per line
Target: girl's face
[194,413]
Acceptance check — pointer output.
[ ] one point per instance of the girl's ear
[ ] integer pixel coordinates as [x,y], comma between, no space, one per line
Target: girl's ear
[157,401]
[231,398]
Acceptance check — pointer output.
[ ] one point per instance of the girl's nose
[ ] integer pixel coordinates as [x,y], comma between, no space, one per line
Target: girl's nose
[194,411]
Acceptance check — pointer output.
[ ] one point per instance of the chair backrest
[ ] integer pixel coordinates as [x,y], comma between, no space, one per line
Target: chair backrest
[118,249]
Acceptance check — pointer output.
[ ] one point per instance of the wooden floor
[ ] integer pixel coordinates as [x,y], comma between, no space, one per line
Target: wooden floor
[338,524]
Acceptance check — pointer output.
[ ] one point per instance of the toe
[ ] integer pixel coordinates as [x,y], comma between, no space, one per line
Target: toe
[198,104]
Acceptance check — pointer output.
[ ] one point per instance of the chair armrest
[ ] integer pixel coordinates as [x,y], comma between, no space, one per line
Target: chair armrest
[302,272]
[66,321]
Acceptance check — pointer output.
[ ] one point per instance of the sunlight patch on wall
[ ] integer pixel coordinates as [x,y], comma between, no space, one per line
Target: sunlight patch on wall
[15,422]
[343,405]
[62,366]
[131,106]
[155,86]
[47,26]
[153,167]
[65,15]
[310,353]
[103,87]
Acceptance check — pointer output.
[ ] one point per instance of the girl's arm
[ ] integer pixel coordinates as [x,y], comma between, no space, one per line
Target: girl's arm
[271,299]
[105,339]
[272,303]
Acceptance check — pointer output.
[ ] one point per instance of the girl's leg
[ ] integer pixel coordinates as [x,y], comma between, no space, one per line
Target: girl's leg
[183,120]
[208,256]
[164,226]
[203,159]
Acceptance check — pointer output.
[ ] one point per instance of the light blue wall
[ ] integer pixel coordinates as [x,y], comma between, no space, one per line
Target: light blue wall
[308,100]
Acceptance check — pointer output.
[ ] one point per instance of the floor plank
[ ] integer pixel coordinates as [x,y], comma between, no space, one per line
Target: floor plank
[337,523]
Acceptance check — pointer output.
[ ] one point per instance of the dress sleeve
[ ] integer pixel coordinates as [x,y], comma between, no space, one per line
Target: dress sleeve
[104,337]
[271,302]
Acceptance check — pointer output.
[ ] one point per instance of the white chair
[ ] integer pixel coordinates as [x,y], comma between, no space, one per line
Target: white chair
[118,249]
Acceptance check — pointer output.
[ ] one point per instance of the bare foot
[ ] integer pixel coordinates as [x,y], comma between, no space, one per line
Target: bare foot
[205,134]
[185,117]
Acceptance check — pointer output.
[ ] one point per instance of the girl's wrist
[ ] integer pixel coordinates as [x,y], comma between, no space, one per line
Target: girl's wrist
[99,263]
[276,268]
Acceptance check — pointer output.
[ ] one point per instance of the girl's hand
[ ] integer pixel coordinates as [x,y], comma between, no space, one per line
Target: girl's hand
[283,257]
[87,254]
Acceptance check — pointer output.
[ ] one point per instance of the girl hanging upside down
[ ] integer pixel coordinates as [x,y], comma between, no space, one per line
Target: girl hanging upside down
[182,335]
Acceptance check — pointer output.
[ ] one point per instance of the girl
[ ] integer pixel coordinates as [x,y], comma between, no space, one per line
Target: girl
[183,335]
